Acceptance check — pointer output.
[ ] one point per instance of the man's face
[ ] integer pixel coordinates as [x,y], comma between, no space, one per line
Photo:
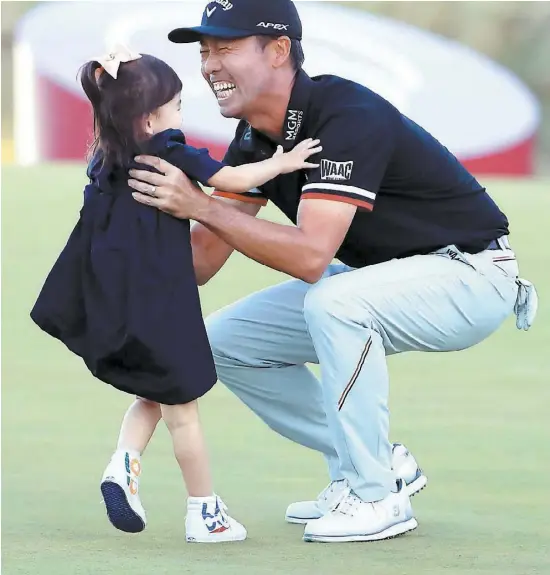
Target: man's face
[238,71]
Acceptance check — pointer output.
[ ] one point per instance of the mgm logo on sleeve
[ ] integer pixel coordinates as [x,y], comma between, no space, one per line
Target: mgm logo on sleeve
[336,171]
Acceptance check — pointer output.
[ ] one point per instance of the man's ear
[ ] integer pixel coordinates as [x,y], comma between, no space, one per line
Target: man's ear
[281,51]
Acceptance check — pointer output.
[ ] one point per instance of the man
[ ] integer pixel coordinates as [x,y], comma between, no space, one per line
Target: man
[425,260]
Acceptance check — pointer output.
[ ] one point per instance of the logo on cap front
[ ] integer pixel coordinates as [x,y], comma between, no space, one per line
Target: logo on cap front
[273,26]
[225,4]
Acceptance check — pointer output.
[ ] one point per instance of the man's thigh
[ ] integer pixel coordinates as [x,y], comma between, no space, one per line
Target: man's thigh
[422,303]
[268,326]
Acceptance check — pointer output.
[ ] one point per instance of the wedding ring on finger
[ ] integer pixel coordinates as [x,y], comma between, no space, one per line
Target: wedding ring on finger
[153,191]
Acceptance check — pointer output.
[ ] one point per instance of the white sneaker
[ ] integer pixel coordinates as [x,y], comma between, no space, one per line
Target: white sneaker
[356,520]
[207,521]
[120,490]
[304,511]
[404,465]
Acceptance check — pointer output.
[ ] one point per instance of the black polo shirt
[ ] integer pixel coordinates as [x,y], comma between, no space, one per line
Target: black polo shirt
[413,196]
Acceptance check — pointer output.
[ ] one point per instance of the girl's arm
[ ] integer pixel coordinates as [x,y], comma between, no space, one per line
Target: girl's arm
[244,178]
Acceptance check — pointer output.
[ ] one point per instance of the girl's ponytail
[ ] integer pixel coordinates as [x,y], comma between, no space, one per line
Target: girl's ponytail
[89,75]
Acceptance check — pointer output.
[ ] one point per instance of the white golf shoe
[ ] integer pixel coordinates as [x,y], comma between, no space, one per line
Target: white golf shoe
[207,521]
[404,465]
[353,519]
[120,490]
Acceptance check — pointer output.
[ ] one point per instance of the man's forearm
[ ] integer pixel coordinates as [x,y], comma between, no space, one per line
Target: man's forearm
[283,248]
[210,252]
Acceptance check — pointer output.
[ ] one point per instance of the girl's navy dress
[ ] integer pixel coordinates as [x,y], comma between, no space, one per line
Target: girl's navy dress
[123,294]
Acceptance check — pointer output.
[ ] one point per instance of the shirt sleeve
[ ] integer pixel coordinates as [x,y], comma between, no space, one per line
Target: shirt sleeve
[357,148]
[234,158]
[196,163]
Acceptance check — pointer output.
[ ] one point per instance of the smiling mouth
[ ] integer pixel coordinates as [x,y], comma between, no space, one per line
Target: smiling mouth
[223,90]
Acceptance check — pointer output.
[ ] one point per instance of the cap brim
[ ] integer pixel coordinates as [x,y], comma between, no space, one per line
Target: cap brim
[188,35]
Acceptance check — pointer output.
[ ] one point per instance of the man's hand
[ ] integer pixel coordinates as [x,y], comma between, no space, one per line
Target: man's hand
[302,251]
[171,191]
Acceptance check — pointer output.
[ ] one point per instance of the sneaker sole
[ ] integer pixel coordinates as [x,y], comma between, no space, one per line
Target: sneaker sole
[414,487]
[417,485]
[300,520]
[119,512]
[393,531]
[232,539]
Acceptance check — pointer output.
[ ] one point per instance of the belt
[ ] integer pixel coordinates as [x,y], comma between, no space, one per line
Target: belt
[501,243]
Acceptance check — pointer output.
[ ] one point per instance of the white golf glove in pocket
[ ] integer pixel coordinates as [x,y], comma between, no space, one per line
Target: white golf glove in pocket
[527,303]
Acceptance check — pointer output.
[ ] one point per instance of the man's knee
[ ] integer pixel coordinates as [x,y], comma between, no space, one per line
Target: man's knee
[218,330]
[328,300]
[230,343]
[324,300]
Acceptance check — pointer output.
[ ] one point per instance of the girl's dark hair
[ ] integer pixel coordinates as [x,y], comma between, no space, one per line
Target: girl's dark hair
[119,105]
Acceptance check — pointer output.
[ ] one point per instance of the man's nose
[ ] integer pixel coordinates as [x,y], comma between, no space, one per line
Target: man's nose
[211,64]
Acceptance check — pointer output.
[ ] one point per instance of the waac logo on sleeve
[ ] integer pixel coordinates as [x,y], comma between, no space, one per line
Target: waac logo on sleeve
[336,171]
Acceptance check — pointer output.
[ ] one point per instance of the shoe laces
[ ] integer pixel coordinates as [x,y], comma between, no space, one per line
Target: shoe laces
[328,492]
[351,504]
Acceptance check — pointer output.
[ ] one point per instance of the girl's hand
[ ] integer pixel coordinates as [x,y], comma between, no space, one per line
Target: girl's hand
[296,158]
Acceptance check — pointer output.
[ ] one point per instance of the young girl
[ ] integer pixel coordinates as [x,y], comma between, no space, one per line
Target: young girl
[123,295]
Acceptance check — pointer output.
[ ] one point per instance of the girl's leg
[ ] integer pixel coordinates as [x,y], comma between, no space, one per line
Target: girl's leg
[207,520]
[138,425]
[120,483]
[184,426]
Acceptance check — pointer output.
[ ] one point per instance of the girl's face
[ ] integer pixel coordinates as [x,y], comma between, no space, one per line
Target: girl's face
[164,118]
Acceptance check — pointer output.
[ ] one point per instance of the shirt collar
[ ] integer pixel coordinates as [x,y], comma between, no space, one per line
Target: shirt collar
[295,117]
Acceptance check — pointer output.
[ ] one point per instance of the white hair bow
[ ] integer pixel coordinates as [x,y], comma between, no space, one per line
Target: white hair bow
[111,62]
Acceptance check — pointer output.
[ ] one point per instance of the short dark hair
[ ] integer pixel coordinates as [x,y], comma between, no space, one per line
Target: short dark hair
[296,51]
[119,105]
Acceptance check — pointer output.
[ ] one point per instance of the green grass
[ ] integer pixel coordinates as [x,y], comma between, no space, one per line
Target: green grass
[477,420]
